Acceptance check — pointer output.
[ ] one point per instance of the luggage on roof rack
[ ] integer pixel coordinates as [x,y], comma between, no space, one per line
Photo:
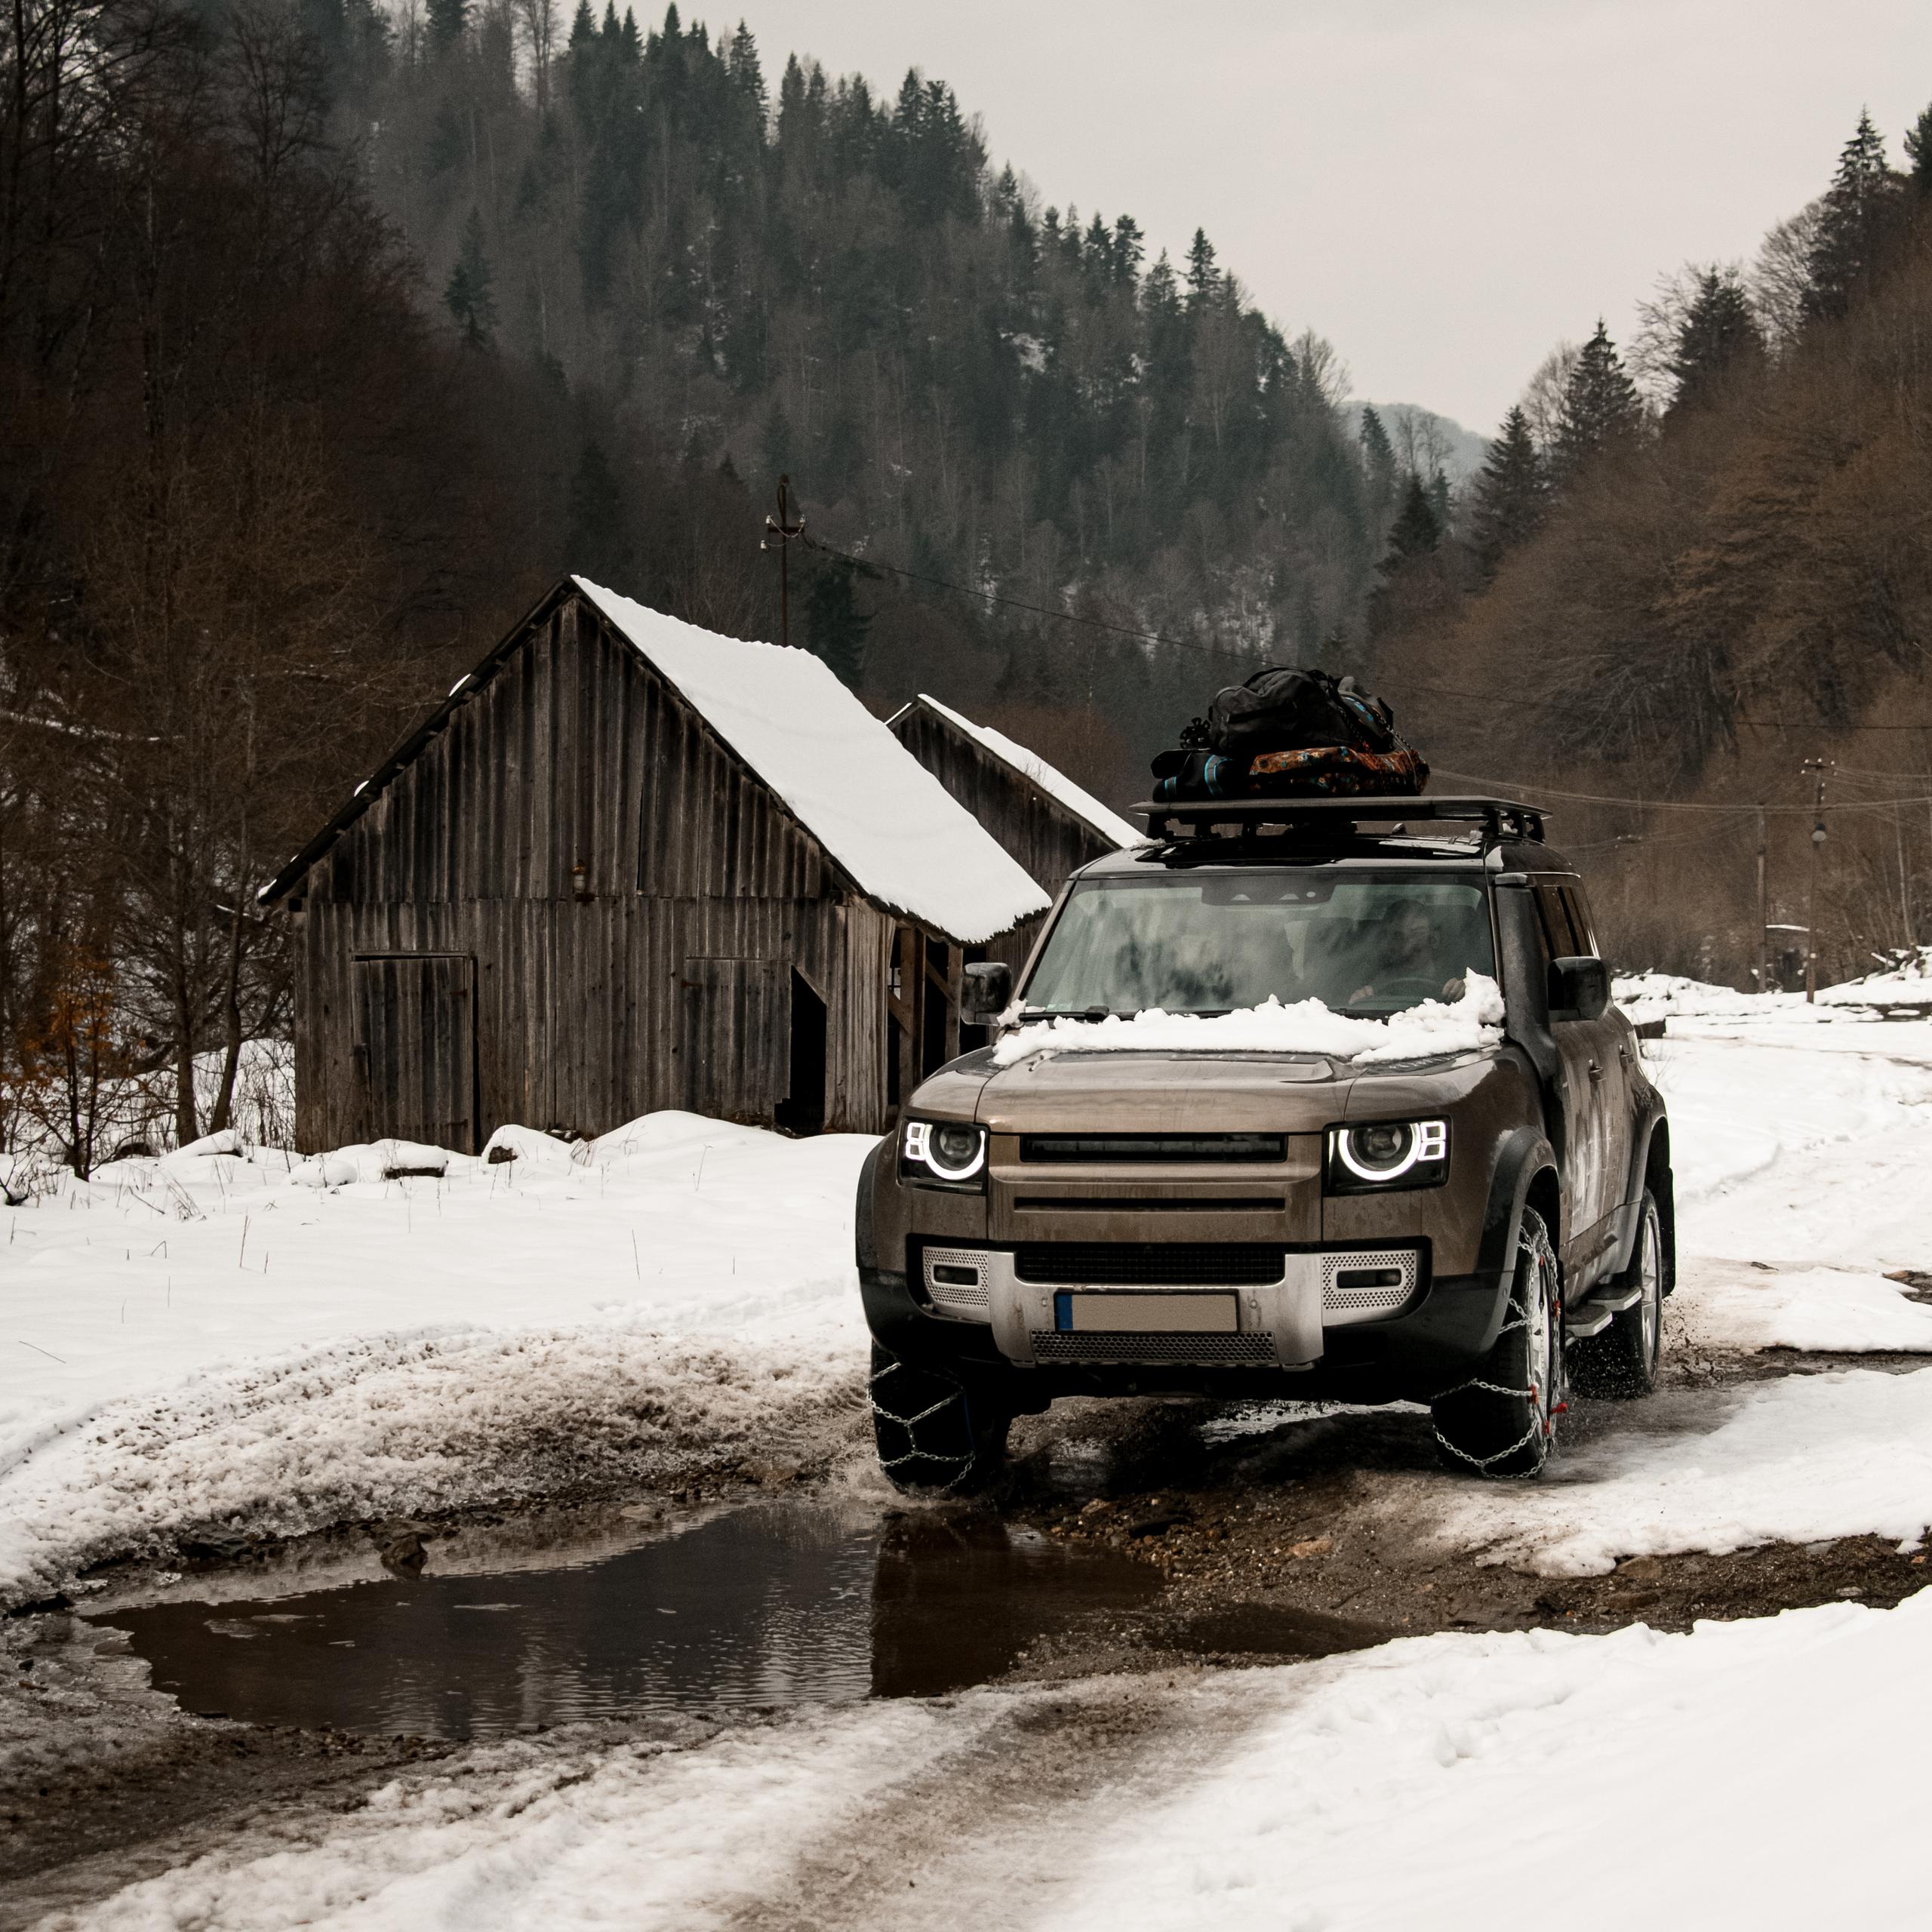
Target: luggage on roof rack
[1288,731]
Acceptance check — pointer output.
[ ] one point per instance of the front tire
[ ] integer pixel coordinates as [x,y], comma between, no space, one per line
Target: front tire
[1502,1421]
[1621,1361]
[935,1434]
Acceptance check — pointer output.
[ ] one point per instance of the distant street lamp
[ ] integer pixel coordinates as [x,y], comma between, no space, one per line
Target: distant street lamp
[1818,767]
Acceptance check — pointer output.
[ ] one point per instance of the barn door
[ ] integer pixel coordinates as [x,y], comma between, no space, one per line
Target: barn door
[737,1047]
[416,1047]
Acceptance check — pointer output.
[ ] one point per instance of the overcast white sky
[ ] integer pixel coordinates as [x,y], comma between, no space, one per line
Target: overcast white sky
[1444,190]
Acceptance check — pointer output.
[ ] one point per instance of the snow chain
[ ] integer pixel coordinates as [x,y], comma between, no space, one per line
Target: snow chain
[1538,1251]
[910,1423]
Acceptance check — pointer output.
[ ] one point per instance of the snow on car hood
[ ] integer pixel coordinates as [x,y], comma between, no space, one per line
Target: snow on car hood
[1435,1026]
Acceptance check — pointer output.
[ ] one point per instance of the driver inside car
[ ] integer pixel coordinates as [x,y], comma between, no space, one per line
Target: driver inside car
[1409,949]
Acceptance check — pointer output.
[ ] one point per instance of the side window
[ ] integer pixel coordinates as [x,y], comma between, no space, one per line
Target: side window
[1553,917]
[1584,926]
[1555,940]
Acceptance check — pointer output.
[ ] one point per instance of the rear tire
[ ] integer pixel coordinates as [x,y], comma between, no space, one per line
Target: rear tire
[1621,1361]
[1502,1421]
[935,1434]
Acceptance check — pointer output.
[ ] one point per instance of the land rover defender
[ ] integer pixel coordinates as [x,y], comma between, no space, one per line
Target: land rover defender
[1476,1226]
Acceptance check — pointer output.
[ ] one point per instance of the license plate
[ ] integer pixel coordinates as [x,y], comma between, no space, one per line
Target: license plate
[1146,1315]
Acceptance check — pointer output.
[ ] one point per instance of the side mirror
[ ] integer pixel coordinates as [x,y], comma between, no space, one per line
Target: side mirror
[1578,985]
[987,993]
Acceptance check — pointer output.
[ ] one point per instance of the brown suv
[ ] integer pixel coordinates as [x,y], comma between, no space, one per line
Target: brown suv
[1478,1229]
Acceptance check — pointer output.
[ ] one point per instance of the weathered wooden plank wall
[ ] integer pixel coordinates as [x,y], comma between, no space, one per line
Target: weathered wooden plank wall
[578,754]
[1050,841]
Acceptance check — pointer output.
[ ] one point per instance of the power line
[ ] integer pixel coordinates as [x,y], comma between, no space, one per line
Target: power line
[1779,724]
[1508,786]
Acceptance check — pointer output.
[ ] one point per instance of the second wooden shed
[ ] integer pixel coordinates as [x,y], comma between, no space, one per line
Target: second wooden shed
[1049,824]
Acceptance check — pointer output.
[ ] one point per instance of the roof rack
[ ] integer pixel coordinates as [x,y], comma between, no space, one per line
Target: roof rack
[1193,820]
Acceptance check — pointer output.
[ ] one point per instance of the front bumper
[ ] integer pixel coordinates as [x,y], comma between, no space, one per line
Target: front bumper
[1274,1323]
[1287,1342]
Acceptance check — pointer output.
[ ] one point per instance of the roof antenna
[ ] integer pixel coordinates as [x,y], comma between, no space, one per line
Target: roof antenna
[780,532]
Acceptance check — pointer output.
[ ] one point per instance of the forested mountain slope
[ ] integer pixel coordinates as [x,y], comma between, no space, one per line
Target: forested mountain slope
[1674,595]
[809,280]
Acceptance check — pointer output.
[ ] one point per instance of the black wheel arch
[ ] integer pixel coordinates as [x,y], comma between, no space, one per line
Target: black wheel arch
[1524,1175]
[865,1237]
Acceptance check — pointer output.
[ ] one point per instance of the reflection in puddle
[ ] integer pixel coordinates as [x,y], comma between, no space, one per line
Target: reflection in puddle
[770,1605]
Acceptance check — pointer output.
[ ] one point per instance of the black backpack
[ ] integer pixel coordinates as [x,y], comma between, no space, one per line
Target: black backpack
[1284,709]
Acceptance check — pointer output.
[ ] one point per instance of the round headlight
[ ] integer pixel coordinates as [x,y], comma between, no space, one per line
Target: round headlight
[954,1148]
[1384,1150]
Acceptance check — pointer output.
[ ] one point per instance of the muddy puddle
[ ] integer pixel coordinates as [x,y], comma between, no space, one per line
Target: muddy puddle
[766,1606]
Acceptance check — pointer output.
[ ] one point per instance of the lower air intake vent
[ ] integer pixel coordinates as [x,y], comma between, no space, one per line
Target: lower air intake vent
[1153,1264]
[1048,1346]
[1368,1281]
[956,1281]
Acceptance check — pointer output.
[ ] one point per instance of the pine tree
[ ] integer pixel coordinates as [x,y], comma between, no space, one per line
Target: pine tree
[1918,151]
[1130,251]
[1853,216]
[834,630]
[1601,406]
[1160,294]
[747,75]
[1718,333]
[1415,532]
[1441,498]
[1378,456]
[448,19]
[468,293]
[1204,279]
[1509,496]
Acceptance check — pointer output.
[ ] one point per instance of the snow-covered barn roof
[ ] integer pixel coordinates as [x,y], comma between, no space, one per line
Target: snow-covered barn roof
[903,838]
[1081,803]
[883,820]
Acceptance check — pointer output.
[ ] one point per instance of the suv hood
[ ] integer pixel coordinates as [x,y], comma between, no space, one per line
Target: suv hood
[1178,1092]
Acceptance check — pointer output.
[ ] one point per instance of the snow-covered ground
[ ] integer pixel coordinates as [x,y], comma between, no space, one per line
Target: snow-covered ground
[204,1340]
[272,1354]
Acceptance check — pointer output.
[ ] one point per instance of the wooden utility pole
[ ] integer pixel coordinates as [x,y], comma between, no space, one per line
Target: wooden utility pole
[780,530]
[1764,910]
[1818,767]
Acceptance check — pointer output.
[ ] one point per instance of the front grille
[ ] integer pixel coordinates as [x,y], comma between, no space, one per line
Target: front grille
[1367,1279]
[1052,1347]
[1142,1204]
[1153,1264]
[1092,1147]
[947,1270]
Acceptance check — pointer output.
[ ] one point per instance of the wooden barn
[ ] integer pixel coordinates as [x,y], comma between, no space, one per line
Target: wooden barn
[1039,814]
[628,865]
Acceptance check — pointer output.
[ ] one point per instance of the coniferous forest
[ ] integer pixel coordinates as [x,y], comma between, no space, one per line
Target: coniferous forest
[330,335]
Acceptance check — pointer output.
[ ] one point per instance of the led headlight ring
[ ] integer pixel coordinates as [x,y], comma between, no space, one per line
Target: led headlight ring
[922,1149]
[1428,1141]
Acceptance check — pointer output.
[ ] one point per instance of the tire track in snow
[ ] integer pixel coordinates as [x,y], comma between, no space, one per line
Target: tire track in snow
[990,1832]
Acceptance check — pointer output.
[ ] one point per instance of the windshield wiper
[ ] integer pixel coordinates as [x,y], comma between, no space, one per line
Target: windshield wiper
[1068,1013]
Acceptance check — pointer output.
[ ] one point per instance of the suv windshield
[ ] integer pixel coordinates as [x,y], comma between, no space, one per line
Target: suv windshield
[1365,942]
